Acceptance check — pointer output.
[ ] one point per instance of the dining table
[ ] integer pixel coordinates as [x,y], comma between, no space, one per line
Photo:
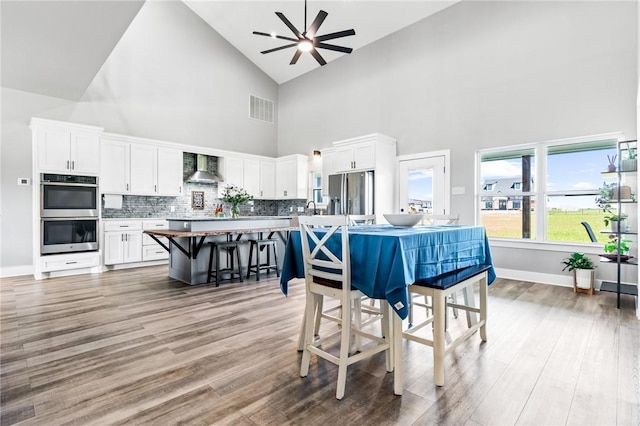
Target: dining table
[386,259]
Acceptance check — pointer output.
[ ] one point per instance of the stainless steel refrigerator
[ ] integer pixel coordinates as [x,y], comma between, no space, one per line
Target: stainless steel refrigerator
[352,193]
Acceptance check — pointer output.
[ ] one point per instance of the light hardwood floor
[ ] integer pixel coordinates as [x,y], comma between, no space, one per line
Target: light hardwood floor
[135,347]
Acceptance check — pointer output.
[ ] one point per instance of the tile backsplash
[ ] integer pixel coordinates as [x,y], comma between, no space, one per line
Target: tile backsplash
[139,206]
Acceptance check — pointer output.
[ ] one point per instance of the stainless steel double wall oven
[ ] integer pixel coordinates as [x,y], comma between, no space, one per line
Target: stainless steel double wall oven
[68,213]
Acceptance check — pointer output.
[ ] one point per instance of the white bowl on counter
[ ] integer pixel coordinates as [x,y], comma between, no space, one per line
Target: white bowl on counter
[403,219]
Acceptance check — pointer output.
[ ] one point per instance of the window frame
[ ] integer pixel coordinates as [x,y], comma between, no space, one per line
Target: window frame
[539,190]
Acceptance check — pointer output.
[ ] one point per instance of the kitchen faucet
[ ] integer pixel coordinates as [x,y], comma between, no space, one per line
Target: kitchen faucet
[314,206]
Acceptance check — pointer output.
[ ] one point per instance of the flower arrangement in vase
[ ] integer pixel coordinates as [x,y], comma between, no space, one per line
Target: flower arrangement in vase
[235,196]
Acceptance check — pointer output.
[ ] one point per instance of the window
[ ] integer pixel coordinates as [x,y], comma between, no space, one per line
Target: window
[544,191]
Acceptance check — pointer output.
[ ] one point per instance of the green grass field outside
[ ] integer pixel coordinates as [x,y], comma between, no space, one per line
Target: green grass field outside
[562,225]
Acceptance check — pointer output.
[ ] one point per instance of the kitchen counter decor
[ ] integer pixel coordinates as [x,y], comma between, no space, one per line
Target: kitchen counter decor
[235,196]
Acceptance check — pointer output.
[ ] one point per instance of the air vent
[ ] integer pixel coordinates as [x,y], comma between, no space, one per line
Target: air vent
[261,109]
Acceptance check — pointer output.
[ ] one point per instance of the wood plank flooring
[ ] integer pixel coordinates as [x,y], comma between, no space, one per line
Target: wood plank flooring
[135,347]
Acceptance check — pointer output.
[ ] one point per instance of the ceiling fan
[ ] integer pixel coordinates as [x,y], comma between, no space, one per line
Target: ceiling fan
[307,41]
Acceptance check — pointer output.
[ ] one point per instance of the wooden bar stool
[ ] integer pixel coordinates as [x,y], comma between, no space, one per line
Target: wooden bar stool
[231,247]
[257,246]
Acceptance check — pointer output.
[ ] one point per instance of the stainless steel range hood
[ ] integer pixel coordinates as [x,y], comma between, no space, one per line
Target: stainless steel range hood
[201,175]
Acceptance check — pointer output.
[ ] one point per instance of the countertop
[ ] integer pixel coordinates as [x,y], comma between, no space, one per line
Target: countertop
[199,218]
[214,218]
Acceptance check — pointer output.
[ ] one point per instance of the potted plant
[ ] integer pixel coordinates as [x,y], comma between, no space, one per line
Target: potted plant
[608,192]
[235,196]
[612,163]
[630,164]
[612,248]
[583,272]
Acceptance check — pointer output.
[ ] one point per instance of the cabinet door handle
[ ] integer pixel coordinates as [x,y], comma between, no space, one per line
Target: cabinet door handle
[71,263]
[127,187]
[73,165]
[155,188]
[67,164]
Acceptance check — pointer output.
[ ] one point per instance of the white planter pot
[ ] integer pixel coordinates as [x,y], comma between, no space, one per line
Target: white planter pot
[615,224]
[584,278]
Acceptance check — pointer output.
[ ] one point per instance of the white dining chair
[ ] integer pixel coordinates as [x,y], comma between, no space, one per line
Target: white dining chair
[442,219]
[327,270]
[362,219]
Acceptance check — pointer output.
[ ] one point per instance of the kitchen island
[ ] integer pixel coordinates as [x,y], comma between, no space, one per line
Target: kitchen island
[189,254]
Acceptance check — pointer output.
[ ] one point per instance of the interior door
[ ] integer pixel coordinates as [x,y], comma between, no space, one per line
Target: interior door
[423,185]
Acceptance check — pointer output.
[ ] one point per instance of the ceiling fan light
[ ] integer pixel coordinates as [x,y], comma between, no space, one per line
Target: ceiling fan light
[273,35]
[305,46]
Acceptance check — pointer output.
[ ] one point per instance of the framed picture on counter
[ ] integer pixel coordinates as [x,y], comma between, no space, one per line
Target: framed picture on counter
[197,200]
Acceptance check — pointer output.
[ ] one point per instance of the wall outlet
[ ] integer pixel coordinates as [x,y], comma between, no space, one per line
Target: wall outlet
[23,181]
[300,209]
[173,209]
[458,190]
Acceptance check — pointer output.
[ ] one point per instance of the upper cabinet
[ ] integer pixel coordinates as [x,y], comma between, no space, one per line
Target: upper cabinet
[350,157]
[139,168]
[66,148]
[292,177]
[256,175]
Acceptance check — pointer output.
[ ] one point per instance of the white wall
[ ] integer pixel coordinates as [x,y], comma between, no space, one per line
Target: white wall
[477,75]
[171,77]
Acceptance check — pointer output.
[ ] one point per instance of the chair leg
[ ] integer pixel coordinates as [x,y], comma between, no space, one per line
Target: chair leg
[275,259]
[210,264]
[344,348]
[357,313]
[386,327]
[237,250]
[439,314]
[250,259]
[483,308]
[217,266]
[308,336]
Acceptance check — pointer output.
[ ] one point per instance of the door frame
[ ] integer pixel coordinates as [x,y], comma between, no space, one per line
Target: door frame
[446,153]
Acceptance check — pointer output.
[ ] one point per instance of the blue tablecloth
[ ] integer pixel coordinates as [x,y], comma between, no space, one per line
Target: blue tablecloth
[386,259]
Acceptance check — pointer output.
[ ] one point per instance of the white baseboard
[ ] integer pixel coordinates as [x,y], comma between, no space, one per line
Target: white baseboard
[539,277]
[16,271]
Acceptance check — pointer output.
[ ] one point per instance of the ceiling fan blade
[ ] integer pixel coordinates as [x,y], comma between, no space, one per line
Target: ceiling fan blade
[334,47]
[339,34]
[313,29]
[276,36]
[319,58]
[279,48]
[289,24]
[296,56]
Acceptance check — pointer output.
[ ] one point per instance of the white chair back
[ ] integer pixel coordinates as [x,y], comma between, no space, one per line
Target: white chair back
[362,219]
[442,219]
[319,260]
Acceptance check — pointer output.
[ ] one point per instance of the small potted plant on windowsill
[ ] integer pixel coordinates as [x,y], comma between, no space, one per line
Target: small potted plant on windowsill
[583,272]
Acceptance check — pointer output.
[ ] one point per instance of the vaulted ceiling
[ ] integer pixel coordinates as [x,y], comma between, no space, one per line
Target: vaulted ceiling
[56,48]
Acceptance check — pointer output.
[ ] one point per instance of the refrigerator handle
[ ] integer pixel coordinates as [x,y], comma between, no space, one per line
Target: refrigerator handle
[343,195]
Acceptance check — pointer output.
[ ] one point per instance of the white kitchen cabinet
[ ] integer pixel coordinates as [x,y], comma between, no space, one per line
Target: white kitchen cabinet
[354,156]
[170,171]
[122,242]
[139,168]
[251,176]
[375,152]
[267,179]
[115,167]
[144,169]
[66,148]
[292,177]
[151,250]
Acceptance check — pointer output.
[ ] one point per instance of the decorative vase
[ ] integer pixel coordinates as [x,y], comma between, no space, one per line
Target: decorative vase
[235,211]
[611,168]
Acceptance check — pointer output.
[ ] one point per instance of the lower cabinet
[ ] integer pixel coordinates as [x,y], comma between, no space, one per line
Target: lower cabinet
[122,242]
[151,250]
